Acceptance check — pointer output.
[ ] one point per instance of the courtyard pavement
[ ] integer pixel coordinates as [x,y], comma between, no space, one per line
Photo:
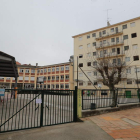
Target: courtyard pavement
[121,125]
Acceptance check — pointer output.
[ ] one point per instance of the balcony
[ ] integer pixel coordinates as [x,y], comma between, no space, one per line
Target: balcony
[124,76]
[109,45]
[110,55]
[111,34]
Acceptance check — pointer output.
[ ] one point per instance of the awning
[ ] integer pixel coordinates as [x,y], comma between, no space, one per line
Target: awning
[8,67]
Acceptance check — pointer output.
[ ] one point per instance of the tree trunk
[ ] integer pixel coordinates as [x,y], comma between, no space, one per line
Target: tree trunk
[114,96]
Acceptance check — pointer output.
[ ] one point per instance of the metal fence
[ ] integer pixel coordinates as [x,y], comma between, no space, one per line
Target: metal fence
[93,99]
[35,108]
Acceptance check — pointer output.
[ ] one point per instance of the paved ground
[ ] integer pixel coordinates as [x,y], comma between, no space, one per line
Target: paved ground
[121,125]
[73,131]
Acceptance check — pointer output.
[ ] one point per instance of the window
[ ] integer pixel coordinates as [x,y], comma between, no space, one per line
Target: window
[2,78]
[88,45]
[44,86]
[53,78]
[88,36]
[57,86]
[128,70]
[62,77]
[104,41]
[45,70]
[94,43]
[127,59]
[114,61]
[88,54]
[66,86]
[104,32]
[132,24]
[38,71]
[129,81]
[62,68]
[19,78]
[124,26]
[126,48]
[52,86]
[100,34]
[117,39]
[80,64]
[27,71]
[135,46]
[32,78]
[62,86]
[80,83]
[80,38]
[95,83]
[66,77]
[80,56]
[80,74]
[94,63]
[45,78]
[88,63]
[57,68]
[112,29]
[53,69]
[125,37]
[134,35]
[41,71]
[113,50]
[57,77]
[137,69]
[49,69]
[12,79]
[66,67]
[49,78]
[89,83]
[95,73]
[119,61]
[8,78]
[26,78]
[21,70]
[32,71]
[136,58]
[112,39]
[94,35]
[89,73]
[137,81]
[48,86]
[80,47]
[105,51]
[94,53]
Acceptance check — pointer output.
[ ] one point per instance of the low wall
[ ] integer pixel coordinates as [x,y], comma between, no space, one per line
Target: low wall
[88,113]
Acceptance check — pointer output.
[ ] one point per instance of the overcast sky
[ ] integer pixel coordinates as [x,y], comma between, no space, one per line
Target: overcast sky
[40,31]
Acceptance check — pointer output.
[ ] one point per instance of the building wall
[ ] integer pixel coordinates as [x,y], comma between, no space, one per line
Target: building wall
[30,84]
[82,40]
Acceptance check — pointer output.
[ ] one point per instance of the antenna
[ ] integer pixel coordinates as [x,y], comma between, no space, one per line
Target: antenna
[107,14]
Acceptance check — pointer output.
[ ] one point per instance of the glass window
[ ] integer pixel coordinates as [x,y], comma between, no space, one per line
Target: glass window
[94,35]
[21,70]
[125,37]
[80,83]
[88,63]
[80,56]
[20,78]
[114,60]
[94,43]
[80,64]
[27,71]
[45,70]
[66,67]
[57,77]
[62,68]
[112,29]
[32,78]
[41,71]
[88,45]
[57,68]
[89,73]
[62,86]
[137,69]
[49,69]
[134,35]
[94,53]
[80,38]
[66,86]
[26,78]
[128,70]
[67,77]
[57,86]
[32,71]
[49,78]
[113,50]
[127,59]
[38,71]
[124,26]
[136,58]
[95,73]
[132,24]
[112,39]
[62,77]
[81,47]
[126,48]
[53,69]
[135,46]
[104,32]
[104,41]
[95,63]
[129,81]
[88,36]
[89,83]
[8,78]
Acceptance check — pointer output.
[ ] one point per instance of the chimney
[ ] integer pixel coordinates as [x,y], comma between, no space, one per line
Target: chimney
[108,24]
[36,64]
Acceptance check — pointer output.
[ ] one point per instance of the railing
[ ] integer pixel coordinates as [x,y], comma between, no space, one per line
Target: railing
[108,44]
[109,34]
[110,54]
[103,98]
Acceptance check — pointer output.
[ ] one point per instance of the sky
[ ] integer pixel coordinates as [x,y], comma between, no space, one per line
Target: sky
[40,31]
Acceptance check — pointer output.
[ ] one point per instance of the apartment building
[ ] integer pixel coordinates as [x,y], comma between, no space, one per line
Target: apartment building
[56,77]
[117,42]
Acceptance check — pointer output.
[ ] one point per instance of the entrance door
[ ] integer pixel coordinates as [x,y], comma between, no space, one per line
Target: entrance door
[128,94]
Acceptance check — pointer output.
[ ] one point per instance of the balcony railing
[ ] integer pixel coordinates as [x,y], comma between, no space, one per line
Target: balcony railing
[107,55]
[109,34]
[109,44]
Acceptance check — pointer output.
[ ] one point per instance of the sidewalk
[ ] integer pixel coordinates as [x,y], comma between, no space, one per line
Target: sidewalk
[72,131]
[121,125]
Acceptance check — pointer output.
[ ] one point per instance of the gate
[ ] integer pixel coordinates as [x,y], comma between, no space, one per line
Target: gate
[36,108]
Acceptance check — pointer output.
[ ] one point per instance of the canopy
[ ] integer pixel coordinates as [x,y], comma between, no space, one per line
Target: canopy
[8,67]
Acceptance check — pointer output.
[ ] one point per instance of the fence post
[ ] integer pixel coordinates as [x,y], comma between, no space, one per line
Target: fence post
[42,106]
[75,105]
